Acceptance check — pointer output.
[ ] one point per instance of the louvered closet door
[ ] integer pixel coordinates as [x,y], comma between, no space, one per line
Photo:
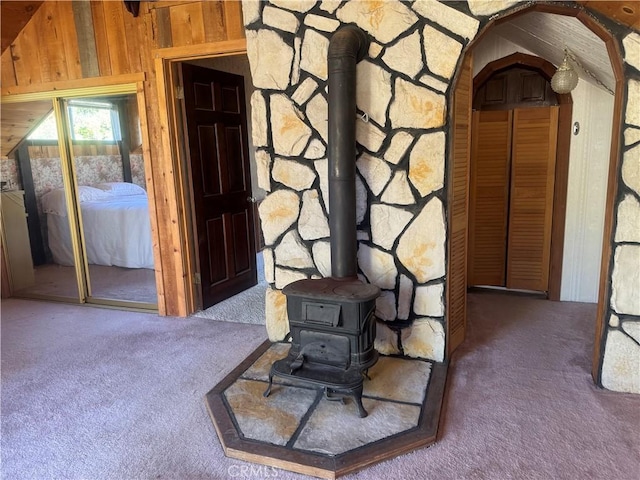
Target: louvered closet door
[459,208]
[531,209]
[489,197]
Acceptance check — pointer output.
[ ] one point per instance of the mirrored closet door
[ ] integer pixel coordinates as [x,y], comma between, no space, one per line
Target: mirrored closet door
[35,211]
[75,211]
[108,168]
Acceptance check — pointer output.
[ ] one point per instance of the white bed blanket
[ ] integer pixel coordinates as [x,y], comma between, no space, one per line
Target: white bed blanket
[117,232]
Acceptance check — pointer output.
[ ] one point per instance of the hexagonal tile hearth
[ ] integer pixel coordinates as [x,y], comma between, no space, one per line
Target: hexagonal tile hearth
[298,428]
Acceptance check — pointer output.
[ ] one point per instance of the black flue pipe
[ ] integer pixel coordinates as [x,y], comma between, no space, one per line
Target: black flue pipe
[346,48]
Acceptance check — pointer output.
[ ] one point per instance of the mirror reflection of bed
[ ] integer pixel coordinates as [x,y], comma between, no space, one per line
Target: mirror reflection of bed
[117,234]
[108,164]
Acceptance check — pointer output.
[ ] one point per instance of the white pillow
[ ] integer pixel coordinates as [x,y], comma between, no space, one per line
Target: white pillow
[121,188]
[54,202]
[90,194]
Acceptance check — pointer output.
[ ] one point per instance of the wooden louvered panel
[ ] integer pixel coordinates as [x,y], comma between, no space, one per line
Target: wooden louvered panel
[457,309]
[531,210]
[489,197]
[459,207]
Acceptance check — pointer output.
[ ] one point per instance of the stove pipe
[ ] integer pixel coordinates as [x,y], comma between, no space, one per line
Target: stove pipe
[346,48]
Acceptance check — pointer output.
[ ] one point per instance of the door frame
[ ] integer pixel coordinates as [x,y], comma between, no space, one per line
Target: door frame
[565,102]
[166,61]
[615,57]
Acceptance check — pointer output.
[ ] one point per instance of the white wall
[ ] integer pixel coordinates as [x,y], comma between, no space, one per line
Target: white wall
[586,193]
[493,47]
[588,171]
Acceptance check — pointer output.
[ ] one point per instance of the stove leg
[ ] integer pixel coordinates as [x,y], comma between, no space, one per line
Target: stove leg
[268,390]
[357,396]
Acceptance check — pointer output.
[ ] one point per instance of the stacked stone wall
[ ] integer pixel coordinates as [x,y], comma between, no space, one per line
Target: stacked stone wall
[402,133]
[621,361]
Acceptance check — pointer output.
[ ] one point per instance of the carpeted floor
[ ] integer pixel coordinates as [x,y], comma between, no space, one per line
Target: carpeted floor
[246,307]
[96,394]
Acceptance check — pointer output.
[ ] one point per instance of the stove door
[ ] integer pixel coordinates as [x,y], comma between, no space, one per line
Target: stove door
[325,348]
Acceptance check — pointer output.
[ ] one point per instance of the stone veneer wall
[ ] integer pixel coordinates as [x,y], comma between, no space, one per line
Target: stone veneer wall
[621,363]
[402,87]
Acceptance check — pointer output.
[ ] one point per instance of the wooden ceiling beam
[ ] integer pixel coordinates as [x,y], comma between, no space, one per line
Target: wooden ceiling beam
[627,13]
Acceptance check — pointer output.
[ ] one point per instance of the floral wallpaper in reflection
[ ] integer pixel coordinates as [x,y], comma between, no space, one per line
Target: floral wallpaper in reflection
[90,170]
[9,174]
[99,169]
[47,173]
[137,170]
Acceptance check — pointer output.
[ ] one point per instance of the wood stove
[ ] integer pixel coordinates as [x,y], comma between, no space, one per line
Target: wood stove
[332,320]
[333,328]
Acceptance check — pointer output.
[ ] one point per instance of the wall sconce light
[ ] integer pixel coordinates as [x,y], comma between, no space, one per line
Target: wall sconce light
[566,78]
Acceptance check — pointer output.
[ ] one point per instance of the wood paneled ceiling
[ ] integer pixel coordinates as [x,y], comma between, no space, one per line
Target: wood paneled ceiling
[14,16]
[546,35]
[18,120]
[627,13]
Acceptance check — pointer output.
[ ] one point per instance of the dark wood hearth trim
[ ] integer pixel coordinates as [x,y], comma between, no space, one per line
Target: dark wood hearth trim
[320,465]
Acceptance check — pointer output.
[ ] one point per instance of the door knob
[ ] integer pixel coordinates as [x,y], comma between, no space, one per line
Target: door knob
[251,200]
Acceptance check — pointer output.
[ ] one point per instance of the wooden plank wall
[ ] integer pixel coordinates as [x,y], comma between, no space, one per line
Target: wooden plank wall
[53,47]
[79,150]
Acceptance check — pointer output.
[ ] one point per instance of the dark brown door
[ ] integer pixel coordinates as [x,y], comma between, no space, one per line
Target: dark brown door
[216,130]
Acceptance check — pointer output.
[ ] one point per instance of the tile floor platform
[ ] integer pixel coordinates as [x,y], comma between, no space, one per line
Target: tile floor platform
[297,428]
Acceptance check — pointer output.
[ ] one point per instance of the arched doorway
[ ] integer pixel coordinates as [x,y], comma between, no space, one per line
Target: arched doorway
[458,174]
[531,73]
